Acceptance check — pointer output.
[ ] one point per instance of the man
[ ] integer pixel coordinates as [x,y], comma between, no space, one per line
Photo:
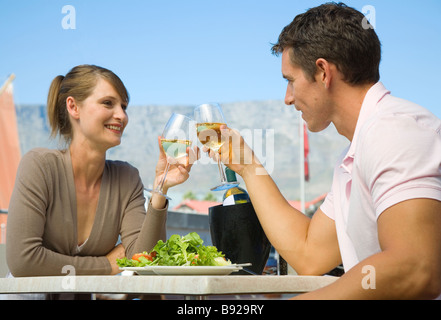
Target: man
[382,218]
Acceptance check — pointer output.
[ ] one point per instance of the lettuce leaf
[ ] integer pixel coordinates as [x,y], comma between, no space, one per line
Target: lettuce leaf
[180,251]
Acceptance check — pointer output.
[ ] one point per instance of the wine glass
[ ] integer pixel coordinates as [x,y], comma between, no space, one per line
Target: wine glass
[174,141]
[209,118]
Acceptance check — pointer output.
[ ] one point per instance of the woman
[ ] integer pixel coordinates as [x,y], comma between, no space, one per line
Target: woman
[70,206]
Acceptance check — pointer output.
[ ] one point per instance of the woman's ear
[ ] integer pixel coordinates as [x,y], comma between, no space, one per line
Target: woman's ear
[72,107]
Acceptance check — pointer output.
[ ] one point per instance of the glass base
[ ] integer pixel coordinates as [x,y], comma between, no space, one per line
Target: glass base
[225,186]
[158,192]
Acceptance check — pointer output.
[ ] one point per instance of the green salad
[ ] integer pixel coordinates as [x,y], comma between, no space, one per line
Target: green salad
[178,251]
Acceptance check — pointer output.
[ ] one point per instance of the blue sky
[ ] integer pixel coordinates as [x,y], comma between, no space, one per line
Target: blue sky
[194,51]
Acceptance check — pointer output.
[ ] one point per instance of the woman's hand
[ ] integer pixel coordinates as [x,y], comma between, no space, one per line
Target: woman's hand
[117,253]
[178,172]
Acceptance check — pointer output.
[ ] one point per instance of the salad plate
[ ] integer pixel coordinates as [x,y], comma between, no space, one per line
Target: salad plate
[180,255]
[184,270]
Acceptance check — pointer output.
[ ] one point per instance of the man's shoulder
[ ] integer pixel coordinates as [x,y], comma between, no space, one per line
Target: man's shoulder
[396,118]
[395,109]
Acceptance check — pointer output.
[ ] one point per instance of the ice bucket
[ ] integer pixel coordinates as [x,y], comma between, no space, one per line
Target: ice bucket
[236,231]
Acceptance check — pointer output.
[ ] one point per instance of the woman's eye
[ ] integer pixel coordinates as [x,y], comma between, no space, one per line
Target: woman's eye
[108,103]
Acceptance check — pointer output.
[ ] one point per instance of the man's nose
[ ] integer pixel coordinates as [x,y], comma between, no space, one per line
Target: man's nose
[289,96]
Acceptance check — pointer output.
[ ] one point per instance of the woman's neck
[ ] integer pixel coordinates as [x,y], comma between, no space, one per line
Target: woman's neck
[87,165]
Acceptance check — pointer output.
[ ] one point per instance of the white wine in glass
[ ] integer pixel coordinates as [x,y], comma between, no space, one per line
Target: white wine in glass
[175,148]
[209,118]
[174,141]
[209,135]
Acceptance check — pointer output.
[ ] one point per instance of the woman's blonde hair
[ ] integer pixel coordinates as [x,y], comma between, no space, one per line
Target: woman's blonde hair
[79,83]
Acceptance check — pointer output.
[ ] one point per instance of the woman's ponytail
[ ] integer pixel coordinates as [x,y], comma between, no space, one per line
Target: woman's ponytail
[53,105]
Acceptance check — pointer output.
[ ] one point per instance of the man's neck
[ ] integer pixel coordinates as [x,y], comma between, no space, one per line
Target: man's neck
[348,101]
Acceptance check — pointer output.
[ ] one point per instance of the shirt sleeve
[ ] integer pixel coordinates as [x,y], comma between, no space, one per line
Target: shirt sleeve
[141,230]
[327,206]
[400,160]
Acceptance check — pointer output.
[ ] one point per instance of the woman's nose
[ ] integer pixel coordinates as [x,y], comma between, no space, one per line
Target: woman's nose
[121,114]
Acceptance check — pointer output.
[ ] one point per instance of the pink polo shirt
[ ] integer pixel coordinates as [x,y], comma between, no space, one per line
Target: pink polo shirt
[395,155]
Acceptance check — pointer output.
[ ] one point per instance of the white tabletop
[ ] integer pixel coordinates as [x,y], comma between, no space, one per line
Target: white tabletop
[173,285]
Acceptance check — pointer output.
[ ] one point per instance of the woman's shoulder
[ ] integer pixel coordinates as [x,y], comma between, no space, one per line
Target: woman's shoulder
[122,168]
[43,155]
[120,165]
[46,151]
[40,164]
[123,174]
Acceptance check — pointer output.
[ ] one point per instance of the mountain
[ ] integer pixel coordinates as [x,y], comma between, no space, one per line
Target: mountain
[270,127]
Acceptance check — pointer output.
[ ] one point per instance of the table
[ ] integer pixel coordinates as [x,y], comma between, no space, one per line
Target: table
[189,286]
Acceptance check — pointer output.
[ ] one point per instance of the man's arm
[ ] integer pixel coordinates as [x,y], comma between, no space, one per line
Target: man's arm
[409,264]
[310,246]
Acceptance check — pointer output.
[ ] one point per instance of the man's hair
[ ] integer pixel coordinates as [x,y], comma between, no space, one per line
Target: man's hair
[338,34]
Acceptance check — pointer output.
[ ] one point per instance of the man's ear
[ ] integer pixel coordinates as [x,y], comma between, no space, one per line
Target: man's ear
[72,107]
[324,73]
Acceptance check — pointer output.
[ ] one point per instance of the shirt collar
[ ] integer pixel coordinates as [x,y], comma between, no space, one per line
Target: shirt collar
[374,95]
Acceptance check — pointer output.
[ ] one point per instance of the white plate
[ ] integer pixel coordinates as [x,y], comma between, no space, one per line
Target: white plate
[145,271]
[184,270]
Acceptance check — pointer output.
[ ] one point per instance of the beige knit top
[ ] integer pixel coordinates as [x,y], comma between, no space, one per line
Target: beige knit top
[42,227]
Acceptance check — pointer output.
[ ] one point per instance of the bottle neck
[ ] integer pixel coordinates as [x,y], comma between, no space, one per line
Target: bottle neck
[230,174]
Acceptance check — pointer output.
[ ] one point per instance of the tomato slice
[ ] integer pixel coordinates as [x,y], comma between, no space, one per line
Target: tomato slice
[136,256]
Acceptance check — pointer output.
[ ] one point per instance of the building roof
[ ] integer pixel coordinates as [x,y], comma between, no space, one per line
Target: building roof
[297,204]
[197,206]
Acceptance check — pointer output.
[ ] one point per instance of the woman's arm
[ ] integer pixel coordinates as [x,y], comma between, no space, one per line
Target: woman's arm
[26,252]
[141,234]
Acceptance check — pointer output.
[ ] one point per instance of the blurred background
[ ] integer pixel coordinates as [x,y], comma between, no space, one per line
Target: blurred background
[177,54]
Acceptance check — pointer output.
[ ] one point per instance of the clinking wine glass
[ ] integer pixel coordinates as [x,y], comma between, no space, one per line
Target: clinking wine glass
[175,140]
[209,118]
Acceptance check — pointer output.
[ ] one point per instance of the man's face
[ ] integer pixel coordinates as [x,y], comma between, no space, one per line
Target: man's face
[307,96]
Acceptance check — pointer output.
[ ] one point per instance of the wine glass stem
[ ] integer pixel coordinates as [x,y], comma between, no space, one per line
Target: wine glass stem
[221,171]
[161,184]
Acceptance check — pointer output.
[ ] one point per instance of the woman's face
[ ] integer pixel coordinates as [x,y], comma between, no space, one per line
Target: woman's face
[101,118]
